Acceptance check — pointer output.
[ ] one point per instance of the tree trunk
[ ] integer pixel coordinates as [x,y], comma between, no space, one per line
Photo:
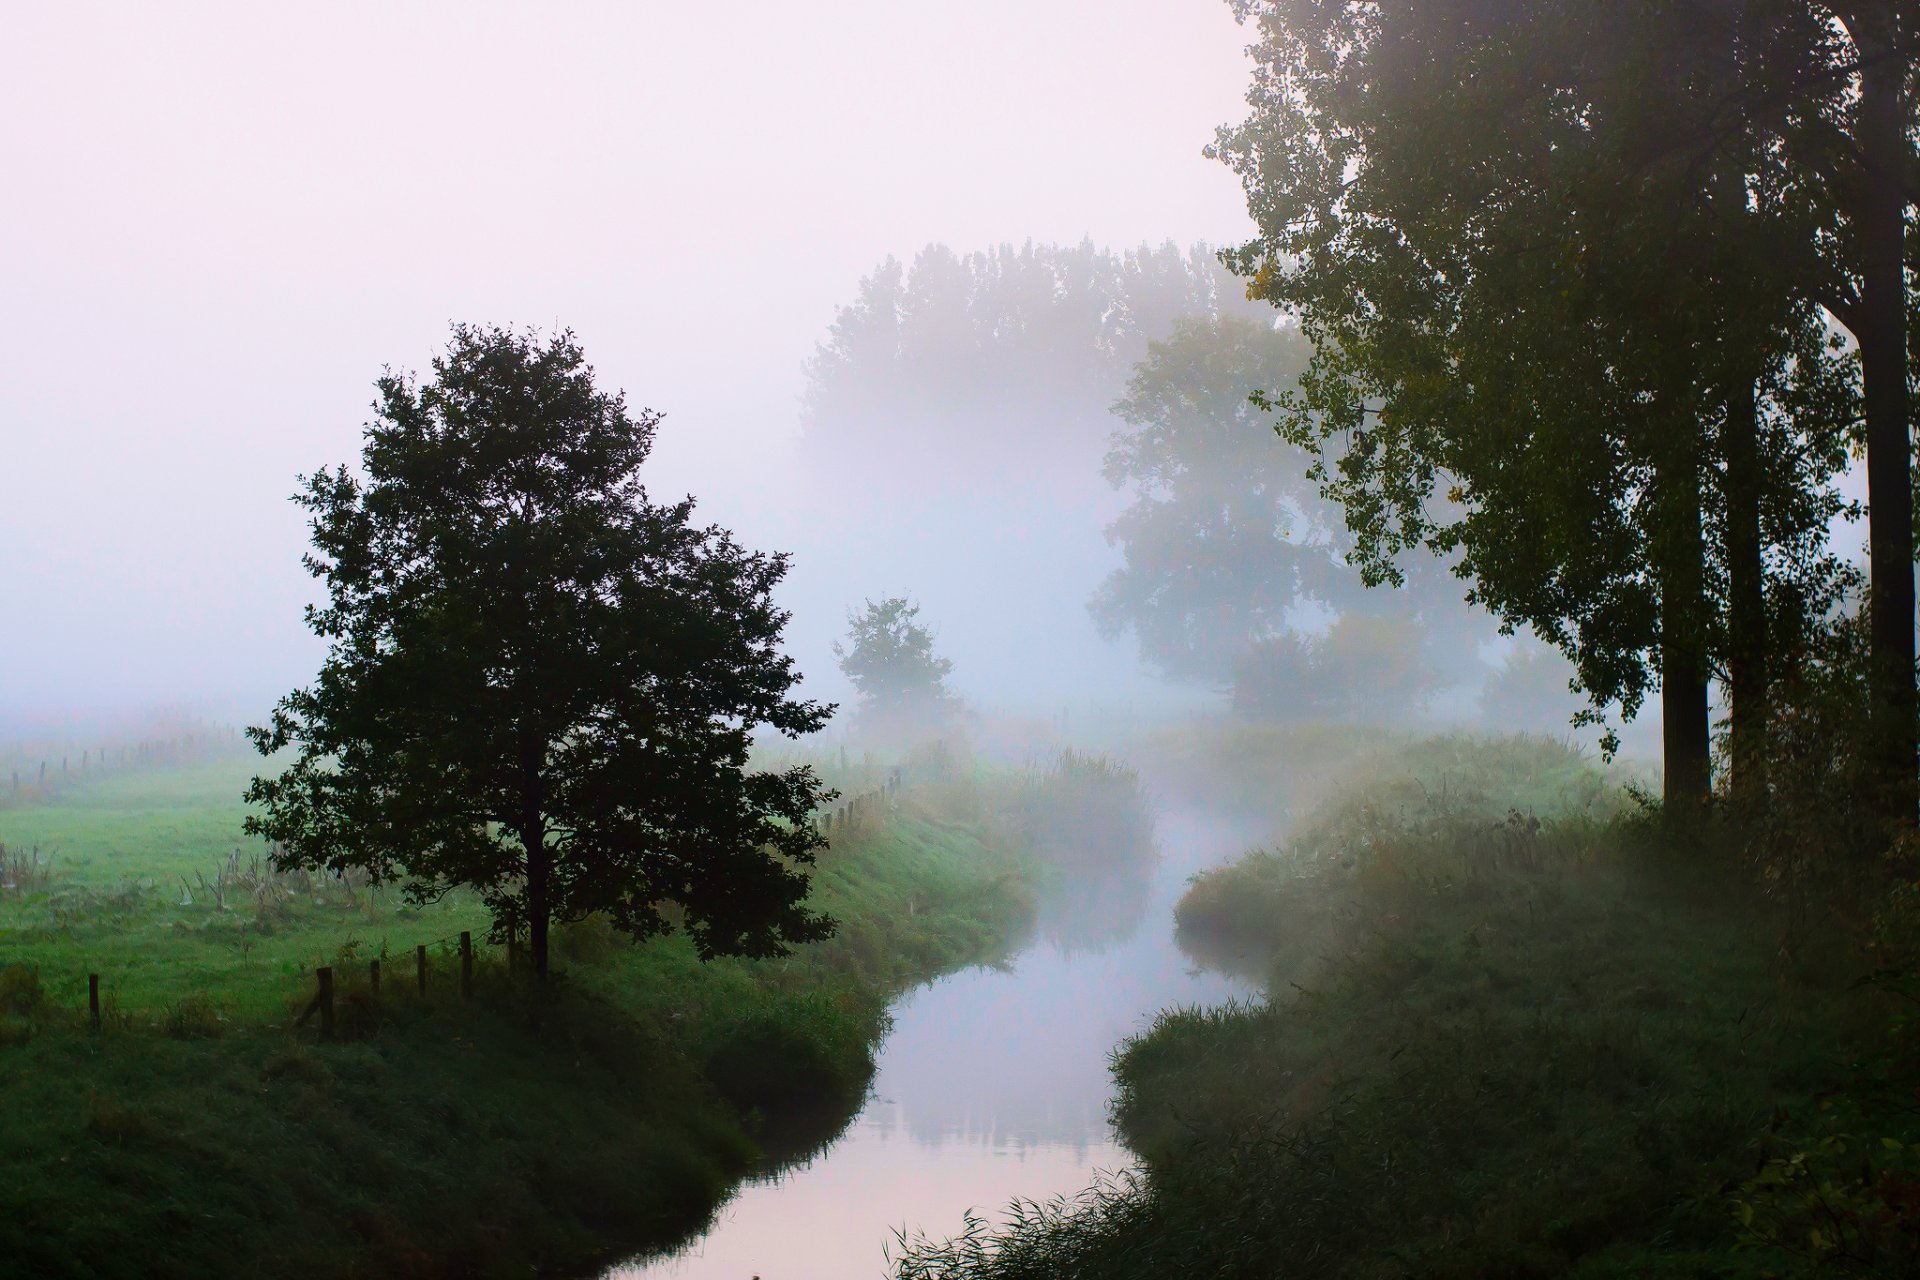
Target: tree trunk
[533,839]
[1747,598]
[1880,218]
[1686,738]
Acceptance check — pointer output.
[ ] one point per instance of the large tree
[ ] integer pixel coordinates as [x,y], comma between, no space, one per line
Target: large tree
[1524,299]
[540,684]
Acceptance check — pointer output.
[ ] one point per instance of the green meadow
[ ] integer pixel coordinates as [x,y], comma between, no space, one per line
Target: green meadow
[202,1129]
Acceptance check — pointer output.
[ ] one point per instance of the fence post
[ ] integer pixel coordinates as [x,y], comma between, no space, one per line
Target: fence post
[466,962]
[93,1000]
[373,977]
[325,976]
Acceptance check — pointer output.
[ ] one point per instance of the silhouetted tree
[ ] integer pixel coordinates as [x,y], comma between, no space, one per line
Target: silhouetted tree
[540,684]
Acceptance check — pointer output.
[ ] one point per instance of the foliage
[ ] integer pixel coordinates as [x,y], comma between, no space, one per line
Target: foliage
[1224,534]
[540,684]
[1511,362]
[1492,1045]
[587,1121]
[1810,823]
[902,683]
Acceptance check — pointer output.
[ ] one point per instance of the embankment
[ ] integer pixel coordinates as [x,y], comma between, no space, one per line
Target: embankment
[1511,1028]
[198,1133]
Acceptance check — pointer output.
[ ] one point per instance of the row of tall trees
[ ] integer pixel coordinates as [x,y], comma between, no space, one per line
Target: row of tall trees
[1601,297]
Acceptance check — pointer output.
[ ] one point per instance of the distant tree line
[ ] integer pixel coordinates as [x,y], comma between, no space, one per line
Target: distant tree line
[1076,363]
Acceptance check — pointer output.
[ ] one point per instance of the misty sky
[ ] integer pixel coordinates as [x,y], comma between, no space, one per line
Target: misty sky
[222,220]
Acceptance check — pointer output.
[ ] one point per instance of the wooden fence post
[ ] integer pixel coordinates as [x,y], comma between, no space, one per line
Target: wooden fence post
[373,977]
[93,1000]
[325,1000]
[466,962]
[420,962]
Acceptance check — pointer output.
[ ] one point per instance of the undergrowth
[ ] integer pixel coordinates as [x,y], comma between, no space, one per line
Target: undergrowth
[1509,1031]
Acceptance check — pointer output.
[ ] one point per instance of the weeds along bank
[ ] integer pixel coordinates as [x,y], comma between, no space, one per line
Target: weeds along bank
[199,1132]
[1511,1029]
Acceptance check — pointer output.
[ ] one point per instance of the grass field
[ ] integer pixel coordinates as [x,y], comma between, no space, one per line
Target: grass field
[202,1133]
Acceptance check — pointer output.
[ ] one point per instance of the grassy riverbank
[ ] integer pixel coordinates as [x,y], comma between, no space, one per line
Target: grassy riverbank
[201,1134]
[1509,1031]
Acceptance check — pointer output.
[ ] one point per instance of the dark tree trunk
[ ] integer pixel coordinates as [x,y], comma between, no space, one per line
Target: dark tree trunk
[1686,738]
[533,839]
[1747,592]
[1882,335]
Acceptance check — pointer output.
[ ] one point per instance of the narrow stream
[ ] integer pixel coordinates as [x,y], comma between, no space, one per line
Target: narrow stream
[993,1085]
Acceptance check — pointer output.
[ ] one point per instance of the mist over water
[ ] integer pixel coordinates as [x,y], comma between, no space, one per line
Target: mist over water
[993,1085]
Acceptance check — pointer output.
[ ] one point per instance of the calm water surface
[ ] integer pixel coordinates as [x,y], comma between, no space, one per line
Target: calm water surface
[993,1085]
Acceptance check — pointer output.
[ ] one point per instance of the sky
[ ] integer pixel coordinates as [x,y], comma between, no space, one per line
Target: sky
[223,220]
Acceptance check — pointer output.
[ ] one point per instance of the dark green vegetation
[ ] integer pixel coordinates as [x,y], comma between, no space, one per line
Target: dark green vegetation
[1510,1031]
[539,684]
[1586,324]
[201,1133]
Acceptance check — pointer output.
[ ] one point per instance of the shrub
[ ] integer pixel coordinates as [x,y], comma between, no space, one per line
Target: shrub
[20,991]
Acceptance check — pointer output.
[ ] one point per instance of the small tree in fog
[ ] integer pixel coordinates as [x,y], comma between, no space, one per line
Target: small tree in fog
[889,658]
[541,685]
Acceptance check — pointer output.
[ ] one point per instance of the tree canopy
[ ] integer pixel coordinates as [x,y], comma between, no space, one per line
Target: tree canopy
[540,684]
[1541,268]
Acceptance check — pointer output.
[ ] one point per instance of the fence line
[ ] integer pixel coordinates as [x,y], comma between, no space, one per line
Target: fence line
[855,817]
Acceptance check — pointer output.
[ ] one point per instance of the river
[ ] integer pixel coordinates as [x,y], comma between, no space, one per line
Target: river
[992,1085]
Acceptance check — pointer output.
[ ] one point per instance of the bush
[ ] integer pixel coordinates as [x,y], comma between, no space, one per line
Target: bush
[1811,823]
[20,992]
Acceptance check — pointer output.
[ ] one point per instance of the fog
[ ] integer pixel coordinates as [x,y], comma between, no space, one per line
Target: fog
[227,218]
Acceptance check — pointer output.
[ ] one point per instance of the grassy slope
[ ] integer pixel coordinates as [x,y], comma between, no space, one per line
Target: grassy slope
[200,1135]
[1510,1052]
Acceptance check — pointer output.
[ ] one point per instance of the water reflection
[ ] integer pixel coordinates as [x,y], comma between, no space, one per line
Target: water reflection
[992,1086]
